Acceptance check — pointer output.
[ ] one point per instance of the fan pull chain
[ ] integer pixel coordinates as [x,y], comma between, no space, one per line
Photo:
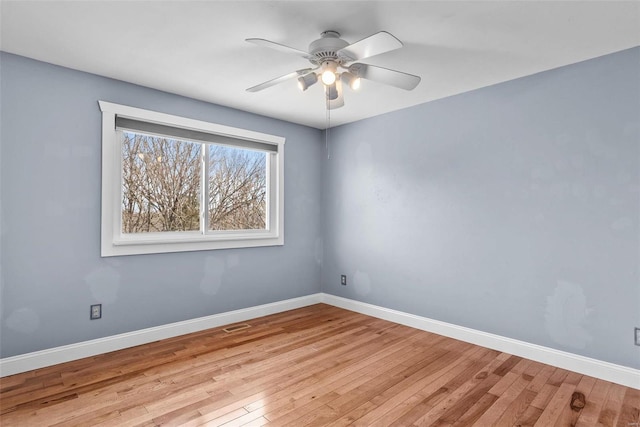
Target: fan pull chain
[326,131]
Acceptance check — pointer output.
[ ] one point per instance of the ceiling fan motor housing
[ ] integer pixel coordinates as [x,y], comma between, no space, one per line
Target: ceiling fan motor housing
[326,48]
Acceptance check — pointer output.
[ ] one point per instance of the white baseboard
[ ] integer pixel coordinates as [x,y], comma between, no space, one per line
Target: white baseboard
[607,371]
[39,359]
[618,374]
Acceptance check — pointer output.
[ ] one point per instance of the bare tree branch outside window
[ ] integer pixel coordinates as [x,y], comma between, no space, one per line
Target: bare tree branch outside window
[161,186]
[237,189]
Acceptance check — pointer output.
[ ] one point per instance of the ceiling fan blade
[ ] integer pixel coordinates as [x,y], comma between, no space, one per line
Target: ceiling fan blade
[334,95]
[279,47]
[384,75]
[373,45]
[280,79]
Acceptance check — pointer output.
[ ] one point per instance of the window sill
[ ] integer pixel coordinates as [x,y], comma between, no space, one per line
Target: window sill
[184,244]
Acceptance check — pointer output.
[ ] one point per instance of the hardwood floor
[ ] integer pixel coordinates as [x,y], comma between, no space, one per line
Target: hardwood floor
[319,365]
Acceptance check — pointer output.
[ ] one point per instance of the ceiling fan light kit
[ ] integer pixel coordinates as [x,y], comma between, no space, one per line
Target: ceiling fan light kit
[331,91]
[304,82]
[351,80]
[332,58]
[329,70]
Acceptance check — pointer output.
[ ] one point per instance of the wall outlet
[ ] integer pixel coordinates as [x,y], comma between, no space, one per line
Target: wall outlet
[343,280]
[95,312]
[637,336]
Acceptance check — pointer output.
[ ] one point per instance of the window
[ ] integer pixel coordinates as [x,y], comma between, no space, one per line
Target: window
[172,184]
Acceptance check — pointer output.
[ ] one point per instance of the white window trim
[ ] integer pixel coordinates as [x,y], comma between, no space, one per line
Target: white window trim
[115,243]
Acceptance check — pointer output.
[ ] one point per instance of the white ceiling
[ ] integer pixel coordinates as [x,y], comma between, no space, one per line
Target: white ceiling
[197,48]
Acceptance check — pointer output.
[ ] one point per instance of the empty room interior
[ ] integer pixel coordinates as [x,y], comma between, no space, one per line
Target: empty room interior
[232,213]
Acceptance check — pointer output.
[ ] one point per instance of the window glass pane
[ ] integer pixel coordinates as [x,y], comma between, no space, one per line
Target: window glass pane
[237,189]
[160,184]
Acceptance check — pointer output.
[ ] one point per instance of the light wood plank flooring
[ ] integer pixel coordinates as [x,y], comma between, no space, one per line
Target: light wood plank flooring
[319,365]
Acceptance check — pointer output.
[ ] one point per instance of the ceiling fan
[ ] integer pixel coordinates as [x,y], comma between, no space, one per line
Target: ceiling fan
[333,64]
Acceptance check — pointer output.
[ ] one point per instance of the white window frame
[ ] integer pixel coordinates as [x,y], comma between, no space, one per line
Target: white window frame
[115,243]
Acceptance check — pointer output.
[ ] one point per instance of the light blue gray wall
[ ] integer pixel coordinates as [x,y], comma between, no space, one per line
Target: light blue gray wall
[513,209]
[51,269]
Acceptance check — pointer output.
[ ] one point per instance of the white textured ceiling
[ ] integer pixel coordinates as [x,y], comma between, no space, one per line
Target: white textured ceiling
[197,48]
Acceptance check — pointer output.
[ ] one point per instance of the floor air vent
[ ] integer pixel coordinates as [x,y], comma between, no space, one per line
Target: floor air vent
[234,328]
